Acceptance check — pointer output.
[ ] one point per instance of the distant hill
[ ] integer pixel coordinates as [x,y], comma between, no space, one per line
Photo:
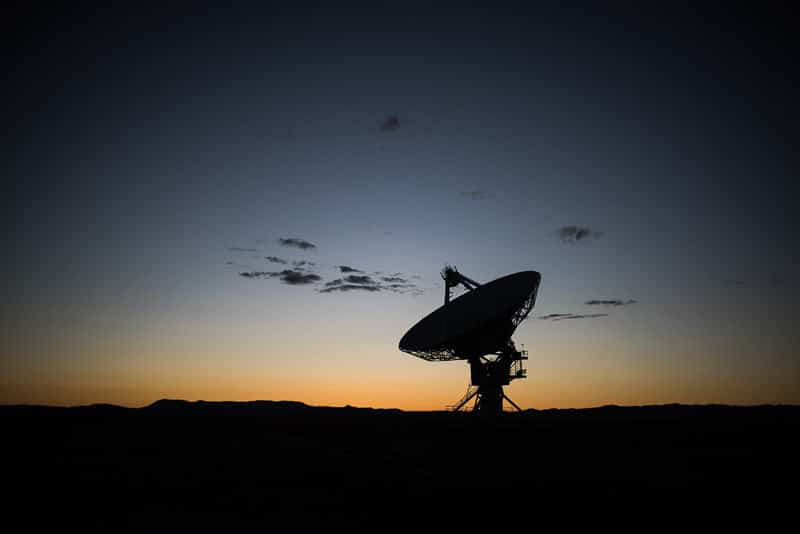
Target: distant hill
[184,407]
[268,407]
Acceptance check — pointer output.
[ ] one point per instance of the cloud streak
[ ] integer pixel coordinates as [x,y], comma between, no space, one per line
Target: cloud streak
[359,279]
[302,272]
[612,302]
[295,278]
[349,287]
[567,316]
[573,234]
[243,249]
[259,274]
[363,282]
[296,242]
[287,276]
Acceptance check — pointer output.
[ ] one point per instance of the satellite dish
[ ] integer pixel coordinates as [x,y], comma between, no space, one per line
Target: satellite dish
[477,327]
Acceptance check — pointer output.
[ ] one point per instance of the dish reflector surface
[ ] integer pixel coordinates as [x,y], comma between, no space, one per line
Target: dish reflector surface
[478,322]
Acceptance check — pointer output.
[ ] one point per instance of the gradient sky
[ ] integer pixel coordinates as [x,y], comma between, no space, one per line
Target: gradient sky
[148,148]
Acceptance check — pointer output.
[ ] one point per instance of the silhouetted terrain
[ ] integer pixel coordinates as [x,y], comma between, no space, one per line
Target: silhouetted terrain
[275,464]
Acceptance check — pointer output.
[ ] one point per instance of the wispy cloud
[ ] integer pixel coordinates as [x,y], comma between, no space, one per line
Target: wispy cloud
[243,249]
[296,242]
[287,276]
[297,278]
[349,287]
[302,272]
[359,279]
[574,234]
[612,302]
[353,279]
[356,282]
[554,316]
[259,274]
[566,316]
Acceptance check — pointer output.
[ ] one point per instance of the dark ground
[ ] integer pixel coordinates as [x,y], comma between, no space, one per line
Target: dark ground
[284,464]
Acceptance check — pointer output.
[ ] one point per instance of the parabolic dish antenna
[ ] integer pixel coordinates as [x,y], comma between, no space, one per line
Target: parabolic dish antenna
[477,327]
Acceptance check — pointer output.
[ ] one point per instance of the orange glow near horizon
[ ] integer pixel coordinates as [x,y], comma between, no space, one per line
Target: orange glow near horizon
[423,386]
[338,362]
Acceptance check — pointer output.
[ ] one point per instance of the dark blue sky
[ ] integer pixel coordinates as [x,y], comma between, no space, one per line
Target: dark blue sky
[148,145]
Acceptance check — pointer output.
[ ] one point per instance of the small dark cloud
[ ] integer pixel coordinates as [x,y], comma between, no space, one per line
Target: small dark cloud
[296,242]
[565,316]
[476,194]
[275,259]
[573,234]
[242,249]
[348,269]
[229,263]
[303,263]
[259,274]
[349,287]
[391,123]
[287,276]
[613,302]
[295,278]
[395,279]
